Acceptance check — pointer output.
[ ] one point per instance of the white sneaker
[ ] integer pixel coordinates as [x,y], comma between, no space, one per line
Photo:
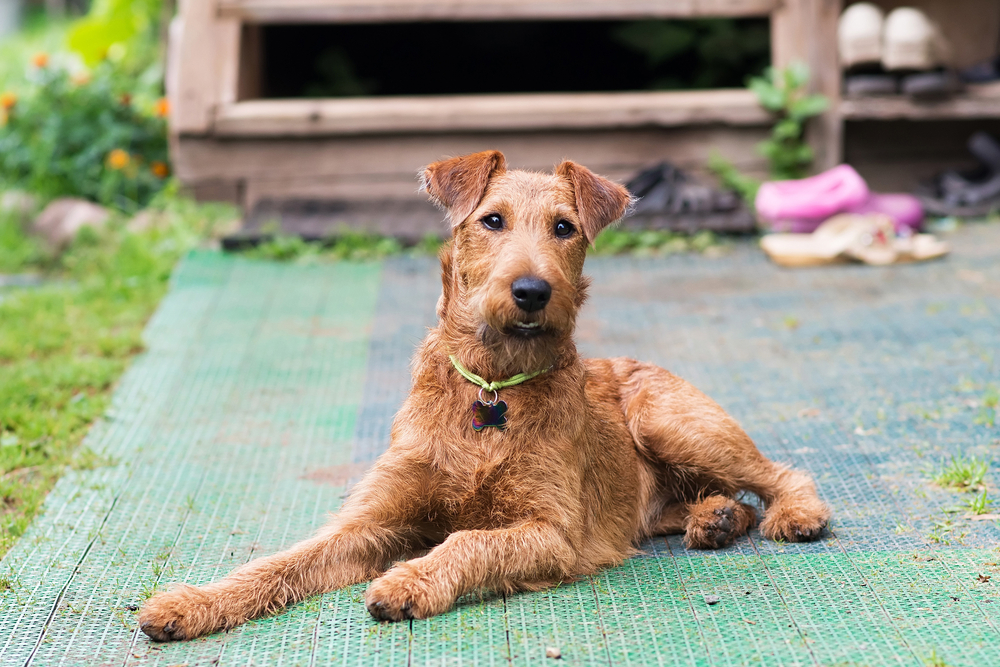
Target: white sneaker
[859,34]
[911,41]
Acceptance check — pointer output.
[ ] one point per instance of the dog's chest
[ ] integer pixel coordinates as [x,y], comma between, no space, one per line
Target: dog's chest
[487,491]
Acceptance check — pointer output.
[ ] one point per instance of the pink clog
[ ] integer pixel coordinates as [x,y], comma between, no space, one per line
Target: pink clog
[801,205]
[906,211]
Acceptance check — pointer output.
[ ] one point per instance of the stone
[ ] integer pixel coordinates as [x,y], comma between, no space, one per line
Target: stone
[59,222]
[18,202]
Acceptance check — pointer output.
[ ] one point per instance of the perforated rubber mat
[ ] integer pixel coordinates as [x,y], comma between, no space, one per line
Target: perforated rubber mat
[268,388]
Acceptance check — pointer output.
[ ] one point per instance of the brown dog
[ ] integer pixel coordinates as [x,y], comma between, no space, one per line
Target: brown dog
[595,455]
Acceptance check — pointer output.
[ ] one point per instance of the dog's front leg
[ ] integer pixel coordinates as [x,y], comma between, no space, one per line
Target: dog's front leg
[469,560]
[376,526]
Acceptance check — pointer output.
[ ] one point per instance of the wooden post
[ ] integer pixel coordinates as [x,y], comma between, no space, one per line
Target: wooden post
[806,31]
[197,76]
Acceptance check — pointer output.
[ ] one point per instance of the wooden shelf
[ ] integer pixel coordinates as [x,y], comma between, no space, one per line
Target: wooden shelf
[400,115]
[899,107]
[347,11]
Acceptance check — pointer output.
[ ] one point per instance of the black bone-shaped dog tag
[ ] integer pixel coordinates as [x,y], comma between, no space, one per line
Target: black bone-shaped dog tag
[489,414]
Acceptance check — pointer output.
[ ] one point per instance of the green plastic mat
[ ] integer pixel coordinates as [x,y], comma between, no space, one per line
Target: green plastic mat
[267,388]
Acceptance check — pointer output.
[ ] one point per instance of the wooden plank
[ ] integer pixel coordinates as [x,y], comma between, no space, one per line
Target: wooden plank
[903,108]
[395,115]
[384,167]
[216,190]
[346,11]
[393,156]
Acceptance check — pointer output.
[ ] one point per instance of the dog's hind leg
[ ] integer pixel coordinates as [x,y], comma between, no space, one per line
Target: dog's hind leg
[690,436]
[530,555]
[379,522]
[671,520]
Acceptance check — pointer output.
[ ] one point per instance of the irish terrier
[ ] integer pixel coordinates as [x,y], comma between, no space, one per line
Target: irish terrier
[514,464]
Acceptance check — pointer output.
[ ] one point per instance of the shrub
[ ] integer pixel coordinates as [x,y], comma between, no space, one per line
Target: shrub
[783,93]
[82,135]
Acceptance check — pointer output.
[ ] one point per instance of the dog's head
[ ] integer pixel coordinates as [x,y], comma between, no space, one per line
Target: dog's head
[513,274]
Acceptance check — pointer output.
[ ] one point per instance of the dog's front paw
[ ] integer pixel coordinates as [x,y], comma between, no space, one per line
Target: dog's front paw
[716,522]
[183,613]
[402,593]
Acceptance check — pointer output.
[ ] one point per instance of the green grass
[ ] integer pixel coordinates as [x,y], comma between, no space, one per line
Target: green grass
[979,504]
[347,244]
[934,660]
[64,344]
[614,241]
[966,474]
[360,246]
[987,415]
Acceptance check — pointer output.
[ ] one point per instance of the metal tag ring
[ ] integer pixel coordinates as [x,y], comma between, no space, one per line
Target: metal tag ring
[496,396]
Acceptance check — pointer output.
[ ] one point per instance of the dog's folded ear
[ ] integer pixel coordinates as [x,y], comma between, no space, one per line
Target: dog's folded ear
[599,202]
[458,184]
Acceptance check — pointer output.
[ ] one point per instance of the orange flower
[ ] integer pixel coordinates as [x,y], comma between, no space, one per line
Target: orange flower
[7,100]
[40,59]
[118,159]
[159,169]
[125,99]
[162,107]
[81,78]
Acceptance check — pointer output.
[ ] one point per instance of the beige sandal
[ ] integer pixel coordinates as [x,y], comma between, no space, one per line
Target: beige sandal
[868,238]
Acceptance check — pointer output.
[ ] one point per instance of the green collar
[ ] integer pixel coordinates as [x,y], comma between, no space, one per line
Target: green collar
[491,386]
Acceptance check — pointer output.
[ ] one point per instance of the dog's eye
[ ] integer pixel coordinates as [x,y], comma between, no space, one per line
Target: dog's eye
[564,229]
[492,221]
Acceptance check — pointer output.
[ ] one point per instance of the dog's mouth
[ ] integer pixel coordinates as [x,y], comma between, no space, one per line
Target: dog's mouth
[526,329]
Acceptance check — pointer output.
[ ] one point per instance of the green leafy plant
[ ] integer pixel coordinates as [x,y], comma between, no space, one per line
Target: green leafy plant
[700,53]
[125,30]
[83,134]
[732,178]
[783,93]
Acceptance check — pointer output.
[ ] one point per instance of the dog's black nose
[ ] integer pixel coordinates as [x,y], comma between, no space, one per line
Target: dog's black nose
[530,293]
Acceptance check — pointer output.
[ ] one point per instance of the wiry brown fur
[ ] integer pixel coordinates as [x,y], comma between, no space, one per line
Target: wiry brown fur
[597,454]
